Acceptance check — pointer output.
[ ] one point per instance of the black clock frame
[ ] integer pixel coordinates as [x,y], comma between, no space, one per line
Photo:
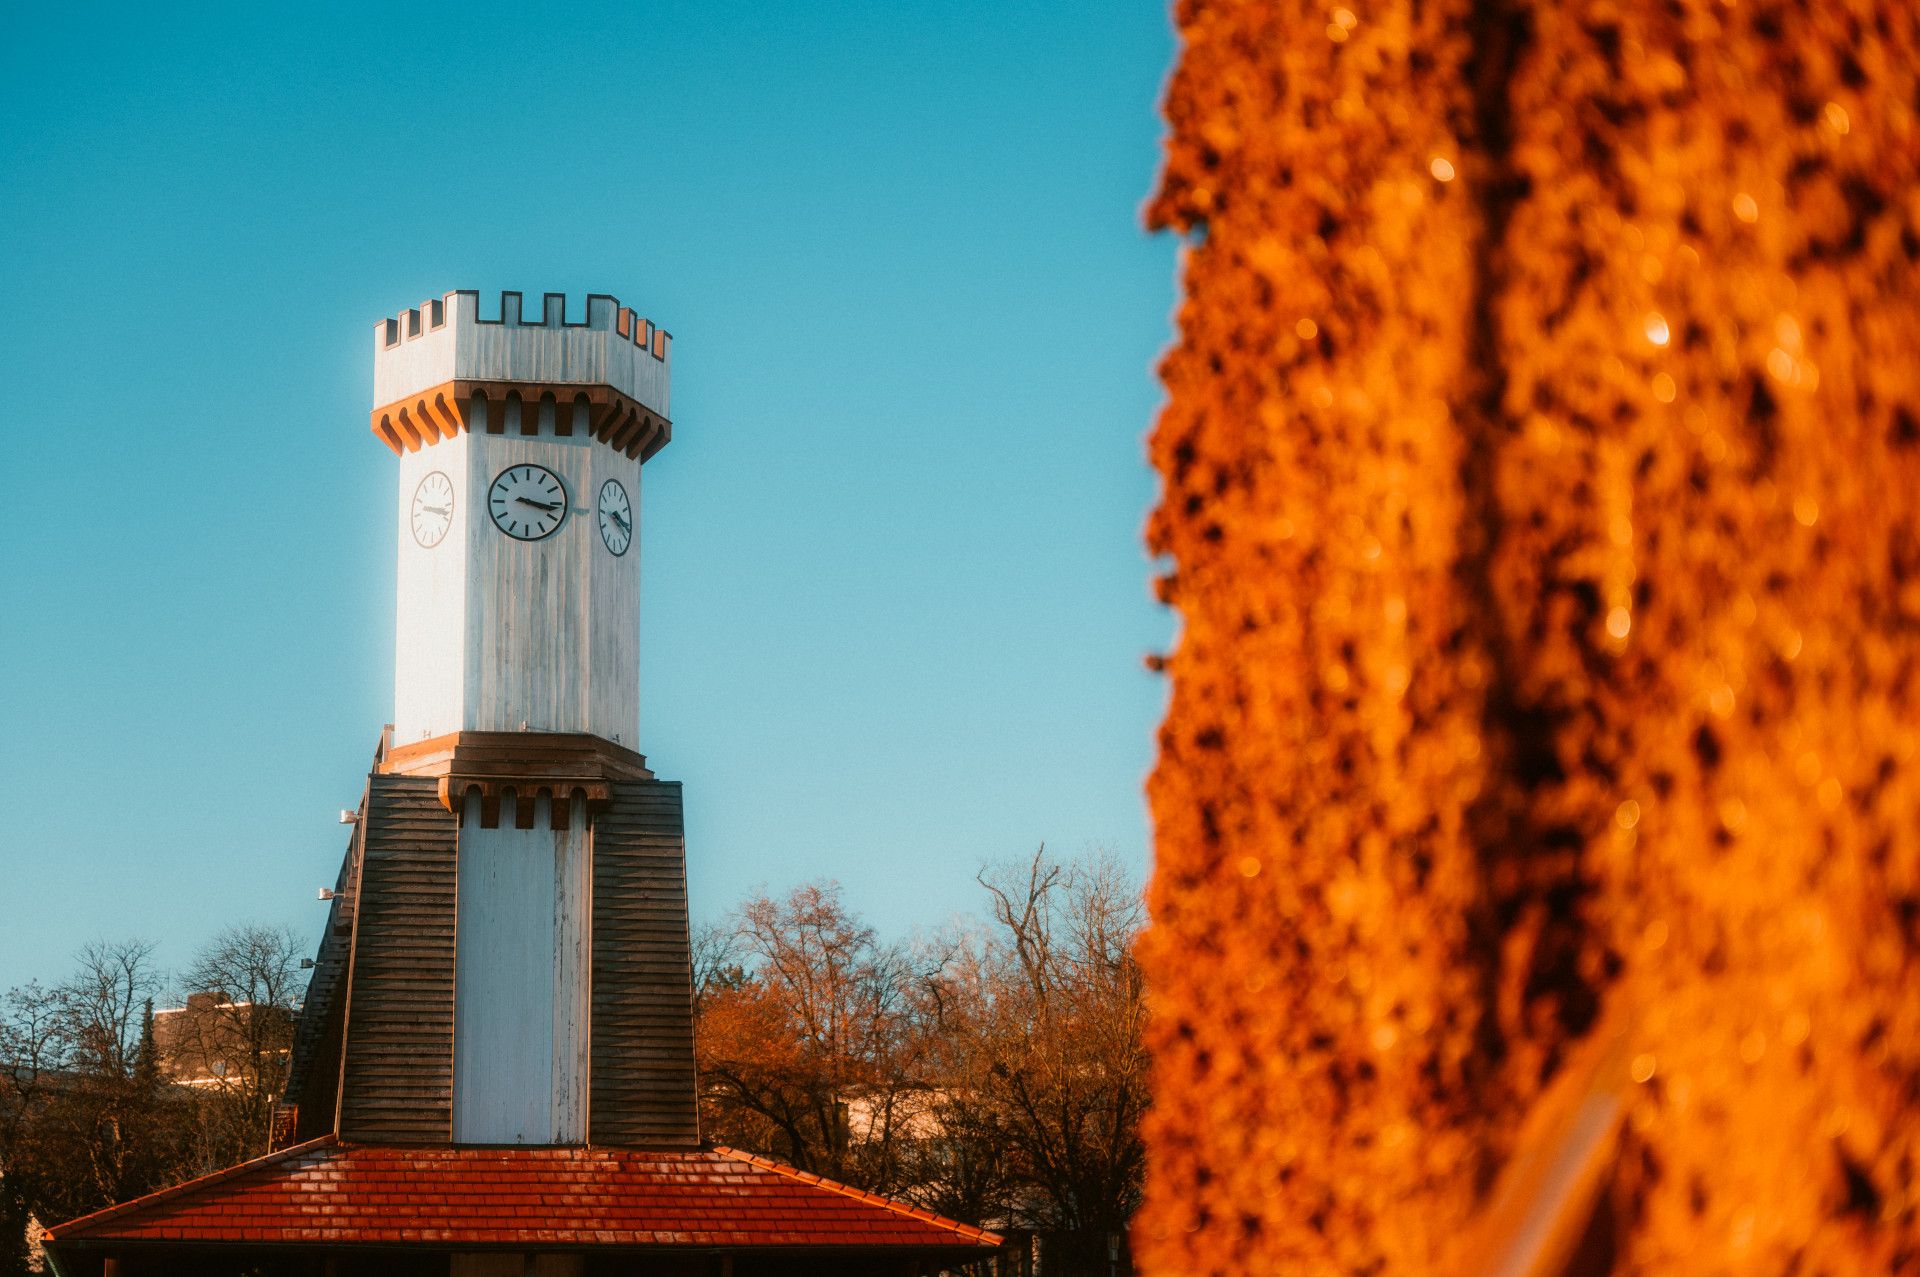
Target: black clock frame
[599,515]
[565,499]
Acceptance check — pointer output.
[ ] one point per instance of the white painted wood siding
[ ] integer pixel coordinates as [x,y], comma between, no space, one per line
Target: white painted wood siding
[503,983]
[521,971]
[494,633]
[430,631]
[554,624]
[572,976]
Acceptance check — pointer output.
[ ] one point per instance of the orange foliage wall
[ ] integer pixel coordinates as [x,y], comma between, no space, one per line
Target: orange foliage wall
[1541,493]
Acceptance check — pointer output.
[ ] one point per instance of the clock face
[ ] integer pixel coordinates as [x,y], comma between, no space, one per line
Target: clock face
[527,502]
[616,517]
[432,509]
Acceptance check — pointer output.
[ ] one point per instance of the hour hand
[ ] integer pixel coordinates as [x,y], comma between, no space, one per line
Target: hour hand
[538,505]
[434,509]
[624,525]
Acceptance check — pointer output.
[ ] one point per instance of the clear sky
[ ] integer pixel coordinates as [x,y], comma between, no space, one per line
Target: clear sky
[894,601]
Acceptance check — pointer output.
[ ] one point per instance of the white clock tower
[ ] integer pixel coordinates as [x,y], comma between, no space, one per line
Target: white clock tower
[493,1068]
[517,666]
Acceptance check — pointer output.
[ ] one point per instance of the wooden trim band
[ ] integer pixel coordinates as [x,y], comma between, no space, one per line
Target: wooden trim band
[528,765]
[542,756]
[440,412]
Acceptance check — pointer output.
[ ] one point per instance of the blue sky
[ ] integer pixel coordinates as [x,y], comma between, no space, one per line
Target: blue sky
[894,601]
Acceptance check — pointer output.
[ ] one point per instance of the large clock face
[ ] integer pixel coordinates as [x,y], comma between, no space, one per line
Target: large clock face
[527,502]
[432,509]
[616,517]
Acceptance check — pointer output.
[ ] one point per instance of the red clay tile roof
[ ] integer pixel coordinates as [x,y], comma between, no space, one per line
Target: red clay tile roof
[326,1192]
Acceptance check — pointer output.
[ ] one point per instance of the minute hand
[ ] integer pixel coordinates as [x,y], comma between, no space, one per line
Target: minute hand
[538,505]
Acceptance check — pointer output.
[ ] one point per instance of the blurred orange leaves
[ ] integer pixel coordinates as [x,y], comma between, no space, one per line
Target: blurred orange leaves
[1540,472]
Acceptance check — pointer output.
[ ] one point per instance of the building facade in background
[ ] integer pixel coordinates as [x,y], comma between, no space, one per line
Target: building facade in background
[212,1041]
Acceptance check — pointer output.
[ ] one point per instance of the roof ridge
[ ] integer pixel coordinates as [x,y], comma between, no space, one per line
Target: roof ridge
[59,1232]
[861,1194]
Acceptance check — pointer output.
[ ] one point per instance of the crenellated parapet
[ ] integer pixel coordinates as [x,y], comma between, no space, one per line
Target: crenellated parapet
[443,367]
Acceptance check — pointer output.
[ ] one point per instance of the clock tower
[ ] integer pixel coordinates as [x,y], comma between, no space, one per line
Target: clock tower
[521,439]
[493,1071]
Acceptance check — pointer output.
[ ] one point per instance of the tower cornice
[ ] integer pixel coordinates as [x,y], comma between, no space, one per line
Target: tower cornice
[554,408]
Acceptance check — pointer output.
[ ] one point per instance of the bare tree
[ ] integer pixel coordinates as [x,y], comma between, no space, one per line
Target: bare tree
[103,1006]
[716,961]
[106,1112]
[91,1114]
[1052,1036]
[959,1165]
[232,1041]
[85,1117]
[30,1059]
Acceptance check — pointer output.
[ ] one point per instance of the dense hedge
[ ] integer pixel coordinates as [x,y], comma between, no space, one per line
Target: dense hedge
[1542,509]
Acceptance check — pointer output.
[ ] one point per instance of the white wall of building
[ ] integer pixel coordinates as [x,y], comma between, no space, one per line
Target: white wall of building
[495,633]
[521,975]
[430,632]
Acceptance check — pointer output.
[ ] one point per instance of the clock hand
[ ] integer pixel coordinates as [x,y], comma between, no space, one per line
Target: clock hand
[434,509]
[538,505]
[624,525]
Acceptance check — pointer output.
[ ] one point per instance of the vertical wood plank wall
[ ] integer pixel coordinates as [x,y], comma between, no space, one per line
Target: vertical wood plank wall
[572,974]
[493,632]
[643,1073]
[397,1077]
[520,1005]
[552,626]
[431,652]
[503,1001]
